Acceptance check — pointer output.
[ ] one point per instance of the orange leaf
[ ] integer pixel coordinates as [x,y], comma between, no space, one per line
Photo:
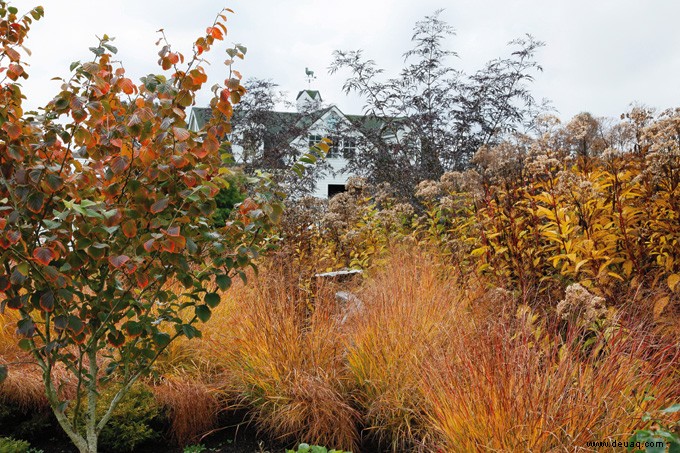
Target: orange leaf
[189,180]
[127,86]
[14,71]
[200,152]
[12,54]
[211,144]
[216,33]
[142,280]
[12,129]
[147,156]
[168,246]
[180,134]
[247,206]
[225,108]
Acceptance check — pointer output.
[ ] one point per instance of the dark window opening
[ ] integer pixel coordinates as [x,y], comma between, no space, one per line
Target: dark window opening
[349,147]
[314,139]
[334,189]
[338,147]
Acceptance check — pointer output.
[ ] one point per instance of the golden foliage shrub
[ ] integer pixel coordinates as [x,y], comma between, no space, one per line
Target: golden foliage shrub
[535,220]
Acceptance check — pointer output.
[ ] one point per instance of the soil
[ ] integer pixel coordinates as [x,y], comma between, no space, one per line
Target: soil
[235,436]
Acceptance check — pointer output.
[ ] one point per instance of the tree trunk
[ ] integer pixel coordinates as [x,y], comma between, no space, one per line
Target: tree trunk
[92,396]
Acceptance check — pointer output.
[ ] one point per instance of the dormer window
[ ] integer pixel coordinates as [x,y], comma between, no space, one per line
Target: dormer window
[339,147]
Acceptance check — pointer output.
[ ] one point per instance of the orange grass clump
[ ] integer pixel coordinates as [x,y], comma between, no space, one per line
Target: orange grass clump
[283,360]
[409,307]
[191,405]
[505,389]
[24,386]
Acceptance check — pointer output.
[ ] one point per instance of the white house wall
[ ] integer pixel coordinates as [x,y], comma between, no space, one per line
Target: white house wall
[324,127]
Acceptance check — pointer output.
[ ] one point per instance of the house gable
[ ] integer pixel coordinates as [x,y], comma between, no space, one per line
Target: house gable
[300,130]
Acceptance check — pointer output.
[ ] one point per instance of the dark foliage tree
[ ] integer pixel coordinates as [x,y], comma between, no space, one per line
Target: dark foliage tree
[264,136]
[433,117]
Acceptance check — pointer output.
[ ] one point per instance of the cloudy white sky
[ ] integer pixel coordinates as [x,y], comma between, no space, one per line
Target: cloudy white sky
[600,56]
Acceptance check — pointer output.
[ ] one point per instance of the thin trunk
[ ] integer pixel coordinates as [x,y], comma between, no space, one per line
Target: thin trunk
[92,395]
[77,439]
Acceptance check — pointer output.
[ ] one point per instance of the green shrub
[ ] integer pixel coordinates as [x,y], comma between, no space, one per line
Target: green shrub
[132,421]
[226,199]
[10,445]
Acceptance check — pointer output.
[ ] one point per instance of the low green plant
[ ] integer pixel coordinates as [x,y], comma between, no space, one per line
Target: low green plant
[11,445]
[132,420]
[306,448]
[198,448]
[658,436]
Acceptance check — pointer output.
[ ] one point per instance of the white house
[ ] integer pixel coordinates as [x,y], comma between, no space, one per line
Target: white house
[304,128]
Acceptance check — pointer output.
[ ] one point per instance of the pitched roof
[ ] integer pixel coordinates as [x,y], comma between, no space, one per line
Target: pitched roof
[311,93]
[290,124]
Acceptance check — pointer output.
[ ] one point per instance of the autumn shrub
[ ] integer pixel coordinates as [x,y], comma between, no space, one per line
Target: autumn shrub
[534,217]
[353,229]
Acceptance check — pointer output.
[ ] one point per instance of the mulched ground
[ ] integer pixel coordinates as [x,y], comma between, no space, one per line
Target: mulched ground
[43,434]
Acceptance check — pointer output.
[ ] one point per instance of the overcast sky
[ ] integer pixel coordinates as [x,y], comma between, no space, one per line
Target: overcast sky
[600,55]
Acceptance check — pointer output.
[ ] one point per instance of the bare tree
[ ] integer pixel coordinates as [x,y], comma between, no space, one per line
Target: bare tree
[265,135]
[433,117]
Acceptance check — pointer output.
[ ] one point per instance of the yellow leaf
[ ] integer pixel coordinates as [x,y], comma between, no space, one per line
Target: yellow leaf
[628,267]
[615,275]
[126,150]
[579,264]
[673,281]
[659,306]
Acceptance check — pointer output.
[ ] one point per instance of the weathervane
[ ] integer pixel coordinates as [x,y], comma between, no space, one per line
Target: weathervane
[310,76]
